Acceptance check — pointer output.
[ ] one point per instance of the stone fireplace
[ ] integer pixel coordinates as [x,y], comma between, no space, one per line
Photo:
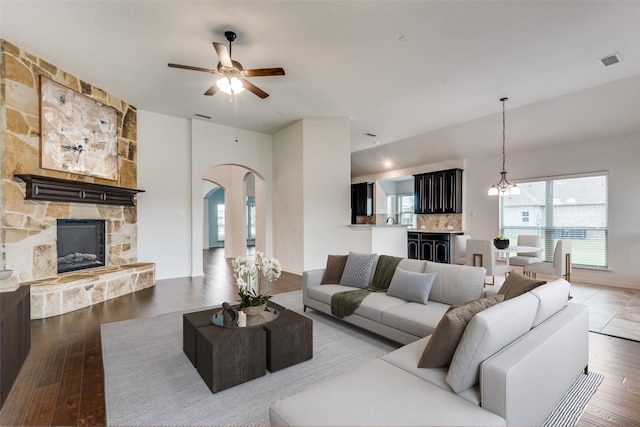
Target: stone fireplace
[28,228]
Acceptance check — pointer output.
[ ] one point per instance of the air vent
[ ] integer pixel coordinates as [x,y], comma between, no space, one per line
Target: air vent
[611,59]
[202,116]
[370,134]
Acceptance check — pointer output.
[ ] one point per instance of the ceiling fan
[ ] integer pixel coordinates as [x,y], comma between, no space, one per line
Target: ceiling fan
[233,80]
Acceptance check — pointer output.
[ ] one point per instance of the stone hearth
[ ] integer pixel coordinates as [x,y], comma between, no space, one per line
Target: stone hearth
[79,289]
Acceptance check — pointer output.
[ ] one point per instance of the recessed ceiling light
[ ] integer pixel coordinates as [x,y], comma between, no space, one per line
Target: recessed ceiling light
[376,142]
[614,58]
[387,164]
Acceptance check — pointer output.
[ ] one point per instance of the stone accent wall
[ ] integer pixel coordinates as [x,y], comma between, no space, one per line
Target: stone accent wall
[28,228]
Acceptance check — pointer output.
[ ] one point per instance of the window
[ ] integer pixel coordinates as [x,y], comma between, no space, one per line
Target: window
[405,206]
[573,207]
[220,209]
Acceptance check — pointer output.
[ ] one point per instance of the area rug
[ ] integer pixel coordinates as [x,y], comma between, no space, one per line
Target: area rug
[150,381]
[575,401]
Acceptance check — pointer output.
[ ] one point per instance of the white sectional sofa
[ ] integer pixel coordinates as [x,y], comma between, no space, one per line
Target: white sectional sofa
[513,364]
[395,318]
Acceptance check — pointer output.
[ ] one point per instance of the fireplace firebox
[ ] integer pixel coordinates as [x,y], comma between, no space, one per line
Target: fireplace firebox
[81,244]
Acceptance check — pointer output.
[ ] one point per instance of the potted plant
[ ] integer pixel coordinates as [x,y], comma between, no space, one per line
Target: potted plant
[250,277]
[501,242]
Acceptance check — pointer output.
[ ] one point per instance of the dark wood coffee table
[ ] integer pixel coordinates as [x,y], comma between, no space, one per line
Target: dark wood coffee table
[228,356]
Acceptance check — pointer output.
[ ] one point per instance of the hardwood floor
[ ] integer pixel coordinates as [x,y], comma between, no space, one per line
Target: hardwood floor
[62,383]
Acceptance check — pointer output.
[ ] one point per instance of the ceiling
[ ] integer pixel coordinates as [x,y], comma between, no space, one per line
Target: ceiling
[425,77]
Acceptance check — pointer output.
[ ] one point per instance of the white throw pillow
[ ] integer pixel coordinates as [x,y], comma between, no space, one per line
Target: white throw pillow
[411,286]
[357,270]
[552,298]
[489,332]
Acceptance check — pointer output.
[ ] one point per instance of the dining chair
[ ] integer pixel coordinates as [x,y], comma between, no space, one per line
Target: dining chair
[561,265]
[460,249]
[523,258]
[482,253]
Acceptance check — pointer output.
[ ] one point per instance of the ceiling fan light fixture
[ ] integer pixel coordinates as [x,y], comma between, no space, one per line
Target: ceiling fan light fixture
[230,86]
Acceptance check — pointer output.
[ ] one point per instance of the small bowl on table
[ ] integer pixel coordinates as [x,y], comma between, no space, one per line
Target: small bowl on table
[501,243]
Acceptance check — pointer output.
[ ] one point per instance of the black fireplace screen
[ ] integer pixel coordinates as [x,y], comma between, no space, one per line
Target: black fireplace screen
[81,244]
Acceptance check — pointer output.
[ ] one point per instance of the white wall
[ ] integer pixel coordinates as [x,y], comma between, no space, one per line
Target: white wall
[288,197]
[617,155]
[312,194]
[164,209]
[327,191]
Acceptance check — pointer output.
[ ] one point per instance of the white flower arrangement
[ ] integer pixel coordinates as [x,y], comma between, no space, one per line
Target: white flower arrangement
[249,278]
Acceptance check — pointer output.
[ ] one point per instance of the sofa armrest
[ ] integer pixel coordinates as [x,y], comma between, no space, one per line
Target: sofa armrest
[525,381]
[311,278]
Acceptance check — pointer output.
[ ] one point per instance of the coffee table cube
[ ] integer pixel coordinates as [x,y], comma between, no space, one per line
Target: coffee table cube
[289,340]
[190,324]
[230,356]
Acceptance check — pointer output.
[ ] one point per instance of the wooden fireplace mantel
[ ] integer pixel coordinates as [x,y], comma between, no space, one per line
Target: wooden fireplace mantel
[65,190]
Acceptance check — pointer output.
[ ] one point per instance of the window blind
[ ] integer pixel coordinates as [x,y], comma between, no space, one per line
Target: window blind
[570,207]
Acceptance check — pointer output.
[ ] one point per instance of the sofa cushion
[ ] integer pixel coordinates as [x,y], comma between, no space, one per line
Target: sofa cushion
[445,338]
[411,286]
[375,303]
[456,284]
[414,318]
[552,298]
[406,358]
[516,284]
[333,270]
[325,292]
[357,270]
[377,393]
[414,265]
[487,333]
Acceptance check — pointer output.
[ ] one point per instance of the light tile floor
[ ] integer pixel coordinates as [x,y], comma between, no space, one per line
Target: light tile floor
[612,311]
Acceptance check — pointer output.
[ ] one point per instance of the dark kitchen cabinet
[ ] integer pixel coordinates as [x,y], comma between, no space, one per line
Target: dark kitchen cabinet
[413,250]
[15,336]
[434,247]
[361,200]
[438,192]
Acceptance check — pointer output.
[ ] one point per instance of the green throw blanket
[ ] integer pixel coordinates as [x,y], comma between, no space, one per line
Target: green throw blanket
[345,303]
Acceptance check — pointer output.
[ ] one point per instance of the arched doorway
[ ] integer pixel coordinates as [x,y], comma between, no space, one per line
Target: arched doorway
[243,215]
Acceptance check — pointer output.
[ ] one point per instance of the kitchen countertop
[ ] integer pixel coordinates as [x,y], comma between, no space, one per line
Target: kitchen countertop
[415,230]
[378,225]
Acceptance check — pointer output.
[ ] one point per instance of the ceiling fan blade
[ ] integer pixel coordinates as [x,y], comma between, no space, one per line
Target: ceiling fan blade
[260,72]
[223,55]
[189,67]
[212,90]
[254,89]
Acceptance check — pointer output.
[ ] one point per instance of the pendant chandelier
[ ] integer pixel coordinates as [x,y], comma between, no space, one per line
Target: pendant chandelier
[503,187]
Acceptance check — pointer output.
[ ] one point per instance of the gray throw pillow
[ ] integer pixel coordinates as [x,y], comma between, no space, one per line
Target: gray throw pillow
[357,270]
[411,286]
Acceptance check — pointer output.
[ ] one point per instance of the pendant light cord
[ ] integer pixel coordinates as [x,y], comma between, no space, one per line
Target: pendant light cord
[504,133]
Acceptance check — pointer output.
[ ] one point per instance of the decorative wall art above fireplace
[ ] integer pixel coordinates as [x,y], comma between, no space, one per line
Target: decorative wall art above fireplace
[77,134]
